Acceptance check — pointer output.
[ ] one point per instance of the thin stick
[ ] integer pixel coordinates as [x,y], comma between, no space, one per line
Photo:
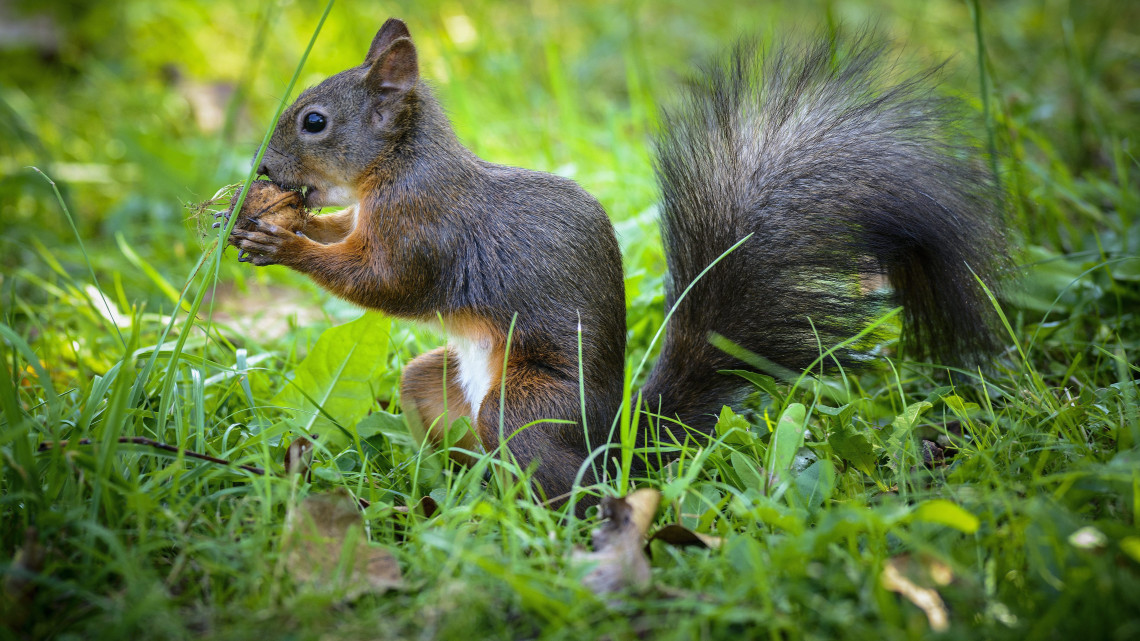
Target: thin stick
[140,440]
[166,447]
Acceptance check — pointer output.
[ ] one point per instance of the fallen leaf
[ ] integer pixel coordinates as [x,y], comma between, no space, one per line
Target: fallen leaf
[298,456]
[932,455]
[680,536]
[619,554]
[927,599]
[328,549]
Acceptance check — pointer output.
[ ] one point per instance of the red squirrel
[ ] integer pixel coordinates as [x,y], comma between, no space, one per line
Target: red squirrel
[833,169]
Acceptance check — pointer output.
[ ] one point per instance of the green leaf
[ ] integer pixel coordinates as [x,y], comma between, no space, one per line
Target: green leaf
[733,427]
[853,448]
[787,438]
[390,425]
[841,415]
[762,382]
[457,430]
[946,513]
[765,510]
[1131,546]
[898,443]
[815,485]
[959,405]
[340,375]
[908,419]
[746,469]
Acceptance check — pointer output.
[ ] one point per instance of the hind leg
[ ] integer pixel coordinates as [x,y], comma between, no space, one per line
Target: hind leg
[552,438]
[432,401]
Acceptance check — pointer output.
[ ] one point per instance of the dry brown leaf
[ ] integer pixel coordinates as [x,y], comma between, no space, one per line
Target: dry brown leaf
[328,549]
[674,534]
[927,599]
[619,554]
[298,456]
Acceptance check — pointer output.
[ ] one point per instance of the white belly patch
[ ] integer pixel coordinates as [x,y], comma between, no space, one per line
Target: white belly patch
[474,369]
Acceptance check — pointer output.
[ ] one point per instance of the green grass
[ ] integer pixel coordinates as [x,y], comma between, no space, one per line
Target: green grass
[96,343]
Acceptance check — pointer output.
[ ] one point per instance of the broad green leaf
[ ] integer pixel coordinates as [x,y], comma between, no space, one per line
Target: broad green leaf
[457,430]
[391,426]
[898,444]
[959,405]
[787,438]
[735,426]
[853,448]
[1127,270]
[841,415]
[908,419]
[746,469]
[814,485]
[946,513]
[340,375]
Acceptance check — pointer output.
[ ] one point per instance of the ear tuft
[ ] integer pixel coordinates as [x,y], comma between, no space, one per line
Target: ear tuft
[395,68]
[393,30]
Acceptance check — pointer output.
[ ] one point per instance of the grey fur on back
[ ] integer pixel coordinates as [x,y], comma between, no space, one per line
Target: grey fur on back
[838,165]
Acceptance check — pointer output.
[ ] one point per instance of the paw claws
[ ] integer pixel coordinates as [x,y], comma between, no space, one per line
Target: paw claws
[269,228]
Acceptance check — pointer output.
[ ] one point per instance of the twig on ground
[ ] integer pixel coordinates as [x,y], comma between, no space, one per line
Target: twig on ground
[140,440]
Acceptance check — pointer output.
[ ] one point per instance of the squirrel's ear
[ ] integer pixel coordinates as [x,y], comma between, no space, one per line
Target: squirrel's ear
[393,30]
[395,68]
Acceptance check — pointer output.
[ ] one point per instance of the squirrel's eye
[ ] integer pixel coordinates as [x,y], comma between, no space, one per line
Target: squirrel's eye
[313,122]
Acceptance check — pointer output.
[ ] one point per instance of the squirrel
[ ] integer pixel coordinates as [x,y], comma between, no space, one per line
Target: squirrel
[830,170]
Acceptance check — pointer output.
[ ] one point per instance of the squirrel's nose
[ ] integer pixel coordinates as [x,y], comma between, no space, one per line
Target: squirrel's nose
[263,170]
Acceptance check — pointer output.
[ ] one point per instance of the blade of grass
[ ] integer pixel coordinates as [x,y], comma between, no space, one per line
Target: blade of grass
[29,355]
[665,323]
[984,80]
[165,397]
[152,273]
[83,250]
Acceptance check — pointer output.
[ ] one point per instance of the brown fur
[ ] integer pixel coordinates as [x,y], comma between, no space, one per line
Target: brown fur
[331,228]
[432,404]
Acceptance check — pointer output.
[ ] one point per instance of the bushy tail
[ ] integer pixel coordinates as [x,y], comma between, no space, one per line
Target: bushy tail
[843,173]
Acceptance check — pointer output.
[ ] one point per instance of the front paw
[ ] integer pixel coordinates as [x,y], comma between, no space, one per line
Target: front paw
[265,243]
[221,219]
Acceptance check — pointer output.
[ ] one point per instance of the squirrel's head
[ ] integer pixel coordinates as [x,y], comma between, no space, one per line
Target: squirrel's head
[334,133]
